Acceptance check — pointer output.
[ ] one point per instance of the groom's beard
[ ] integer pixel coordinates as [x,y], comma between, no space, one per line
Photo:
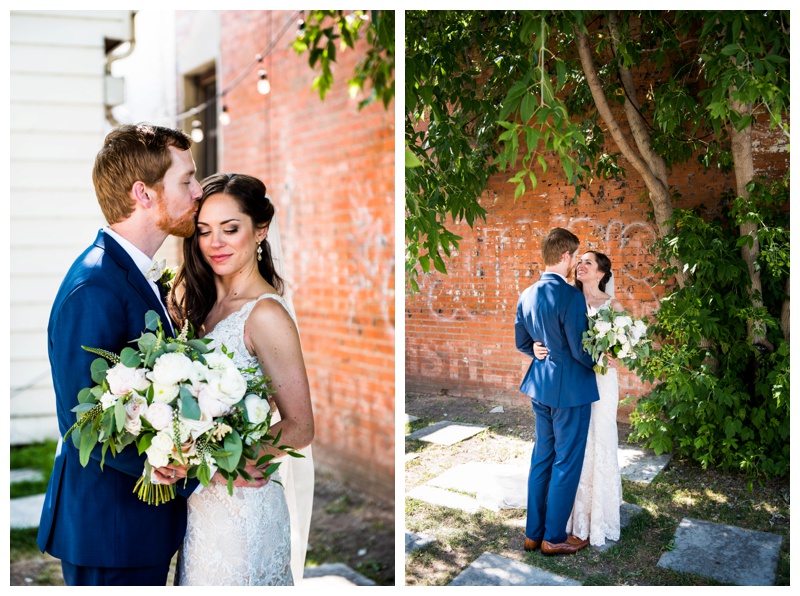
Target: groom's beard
[180,226]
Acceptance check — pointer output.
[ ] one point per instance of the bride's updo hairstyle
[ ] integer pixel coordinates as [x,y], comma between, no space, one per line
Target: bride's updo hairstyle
[196,275]
[604,265]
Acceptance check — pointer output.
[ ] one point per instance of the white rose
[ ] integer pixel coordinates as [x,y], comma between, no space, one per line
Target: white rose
[133,426]
[159,415]
[134,409]
[210,406]
[158,454]
[638,330]
[624,352]
[603,327]
[123,379]
[257,408]
[171,369]
[165,393]
[108,400]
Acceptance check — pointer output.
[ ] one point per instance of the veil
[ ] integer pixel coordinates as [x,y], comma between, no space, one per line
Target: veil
[297,473]
[609,287]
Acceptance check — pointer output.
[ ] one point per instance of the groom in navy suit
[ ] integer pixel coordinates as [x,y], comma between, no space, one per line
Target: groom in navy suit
[561,387]
[144,178]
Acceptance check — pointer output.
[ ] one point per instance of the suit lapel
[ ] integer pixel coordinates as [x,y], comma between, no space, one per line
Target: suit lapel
[135,277]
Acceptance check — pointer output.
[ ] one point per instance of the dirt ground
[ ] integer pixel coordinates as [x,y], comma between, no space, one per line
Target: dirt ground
[347,527]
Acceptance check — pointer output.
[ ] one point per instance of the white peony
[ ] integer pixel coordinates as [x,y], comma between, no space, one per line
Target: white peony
[227,385]
[123,379]
[638,330]
[622,322]
[165,393]
[218,361]
[159,415]
[210,406]
[108,400]
[257,408]
[171,369]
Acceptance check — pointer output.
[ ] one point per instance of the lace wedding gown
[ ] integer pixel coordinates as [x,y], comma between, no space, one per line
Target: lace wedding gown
[244,539]
[596,510]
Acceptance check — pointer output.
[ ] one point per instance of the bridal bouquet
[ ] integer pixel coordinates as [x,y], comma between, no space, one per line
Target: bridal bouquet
[180,403]
[615,334]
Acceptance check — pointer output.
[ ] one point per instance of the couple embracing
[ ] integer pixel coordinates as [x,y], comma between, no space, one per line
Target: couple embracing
[228,288]
[574,487]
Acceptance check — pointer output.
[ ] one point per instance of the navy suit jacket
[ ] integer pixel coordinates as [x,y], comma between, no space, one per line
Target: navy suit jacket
[92,517]
[553,312]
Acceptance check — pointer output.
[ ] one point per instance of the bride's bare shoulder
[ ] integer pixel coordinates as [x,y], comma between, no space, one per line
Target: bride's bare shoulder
[616,305]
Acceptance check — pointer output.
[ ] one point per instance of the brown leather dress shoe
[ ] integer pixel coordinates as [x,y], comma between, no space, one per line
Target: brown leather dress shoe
[531,544]
[571,546]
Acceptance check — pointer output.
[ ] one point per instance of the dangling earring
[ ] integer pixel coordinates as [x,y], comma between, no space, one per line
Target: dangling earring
[259,251]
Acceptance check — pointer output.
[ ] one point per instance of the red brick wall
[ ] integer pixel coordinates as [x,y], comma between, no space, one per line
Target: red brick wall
[460,327]
[330,170]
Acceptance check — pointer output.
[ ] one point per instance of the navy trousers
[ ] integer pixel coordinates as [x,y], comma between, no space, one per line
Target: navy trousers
[76,575]
[555,472]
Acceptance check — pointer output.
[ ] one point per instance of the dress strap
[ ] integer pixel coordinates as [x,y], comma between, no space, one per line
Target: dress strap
[278,298]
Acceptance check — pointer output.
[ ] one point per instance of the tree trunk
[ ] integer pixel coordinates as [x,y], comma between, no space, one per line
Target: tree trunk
[651,167]
[742,153]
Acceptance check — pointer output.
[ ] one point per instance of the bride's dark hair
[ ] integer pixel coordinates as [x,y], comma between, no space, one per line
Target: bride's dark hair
[195,278]
[604,265]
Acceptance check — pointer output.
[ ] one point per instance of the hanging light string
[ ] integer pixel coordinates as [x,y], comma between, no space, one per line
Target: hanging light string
[258,59]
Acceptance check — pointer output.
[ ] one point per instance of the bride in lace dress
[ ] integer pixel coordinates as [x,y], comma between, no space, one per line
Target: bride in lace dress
[231,293]
[596,510]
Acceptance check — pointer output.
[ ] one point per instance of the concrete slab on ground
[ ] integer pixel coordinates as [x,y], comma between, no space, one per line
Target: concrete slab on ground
[627,511]
[446,433]
[445,498]
[408,418]
[26,511]
[333,575]
[416,541]
[496,486]
[25,475]
[410,456]
[493,570]
[639,465]
[724,553]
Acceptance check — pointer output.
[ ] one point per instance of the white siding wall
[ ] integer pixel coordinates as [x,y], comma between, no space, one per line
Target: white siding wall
[57,108]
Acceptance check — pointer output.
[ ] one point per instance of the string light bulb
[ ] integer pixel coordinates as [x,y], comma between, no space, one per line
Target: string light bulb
[263,82]
[197,132]
[224,116]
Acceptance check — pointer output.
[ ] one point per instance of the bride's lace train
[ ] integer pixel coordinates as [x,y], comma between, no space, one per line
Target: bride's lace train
[596,510]
[239,540]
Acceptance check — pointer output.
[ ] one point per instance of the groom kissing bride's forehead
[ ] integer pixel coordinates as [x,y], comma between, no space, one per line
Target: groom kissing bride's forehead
[144,178]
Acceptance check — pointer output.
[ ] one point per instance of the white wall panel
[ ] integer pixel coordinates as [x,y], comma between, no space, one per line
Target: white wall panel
[65,61]
[68,29]
[60,203]
[52,90]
